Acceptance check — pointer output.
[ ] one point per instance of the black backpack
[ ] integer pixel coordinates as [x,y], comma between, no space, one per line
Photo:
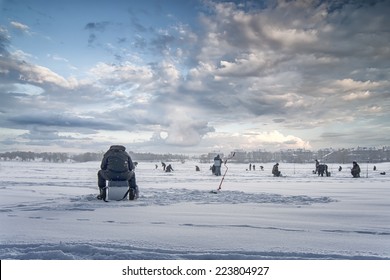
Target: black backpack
[118,162]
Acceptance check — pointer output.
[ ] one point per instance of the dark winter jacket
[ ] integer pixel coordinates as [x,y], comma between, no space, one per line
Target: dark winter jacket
[275,170]
[217,161]
[355,171]
[108,161]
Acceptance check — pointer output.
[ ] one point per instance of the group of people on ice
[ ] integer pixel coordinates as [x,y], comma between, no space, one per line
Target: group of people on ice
[321,170]
[117,165]
[166,168]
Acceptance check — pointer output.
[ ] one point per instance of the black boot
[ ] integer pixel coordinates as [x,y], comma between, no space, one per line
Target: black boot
[133,193]
[102,195]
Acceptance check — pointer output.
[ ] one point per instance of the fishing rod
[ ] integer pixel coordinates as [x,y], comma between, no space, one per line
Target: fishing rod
[226,170]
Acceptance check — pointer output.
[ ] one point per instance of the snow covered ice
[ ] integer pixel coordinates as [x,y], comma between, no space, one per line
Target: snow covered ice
[50,211]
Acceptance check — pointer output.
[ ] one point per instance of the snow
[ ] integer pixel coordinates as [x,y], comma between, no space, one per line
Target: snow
[50,211]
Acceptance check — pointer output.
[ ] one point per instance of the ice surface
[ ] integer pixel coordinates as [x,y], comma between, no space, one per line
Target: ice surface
[50,211]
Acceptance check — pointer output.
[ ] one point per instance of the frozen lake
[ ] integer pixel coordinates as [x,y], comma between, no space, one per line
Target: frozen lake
[50,211]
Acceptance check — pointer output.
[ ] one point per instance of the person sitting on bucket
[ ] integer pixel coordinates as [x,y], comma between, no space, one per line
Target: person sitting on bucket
[117,166]
[355,171]
[275,170]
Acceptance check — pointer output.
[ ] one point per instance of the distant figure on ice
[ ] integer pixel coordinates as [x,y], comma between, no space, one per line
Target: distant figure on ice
[169,168]
[254,167]
[323,169]
[261,168]
[340,168]
[163,165]
[275,170]
[374,168]
[355,171]
[197,168]
[317,164]
[117,166]
[217,165]
[250,166]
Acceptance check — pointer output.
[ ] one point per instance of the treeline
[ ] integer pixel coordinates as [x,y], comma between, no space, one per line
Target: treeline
[84,157]
[360,154]
[49,157]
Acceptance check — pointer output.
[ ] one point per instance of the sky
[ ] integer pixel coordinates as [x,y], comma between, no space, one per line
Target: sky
[194,76]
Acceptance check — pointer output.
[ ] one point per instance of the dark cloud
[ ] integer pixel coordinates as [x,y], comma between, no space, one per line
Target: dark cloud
[97,26]
[162,41]
[60,121]
[94,28]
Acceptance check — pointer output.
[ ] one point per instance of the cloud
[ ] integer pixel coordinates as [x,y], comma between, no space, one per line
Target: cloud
[21,27]
[276,138]
[298,68]
[97,26]
[94,28]
[124,73]
[49,119]
[184,133]
[17,69]
[38,75]
[4,40]
[357,95]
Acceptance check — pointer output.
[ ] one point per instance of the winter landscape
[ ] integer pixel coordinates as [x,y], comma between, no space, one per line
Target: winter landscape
[49,211]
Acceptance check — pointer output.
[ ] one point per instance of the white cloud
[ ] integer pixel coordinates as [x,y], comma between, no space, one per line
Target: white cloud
[350,84]
[357,95]
[290,37]
[127,72]
[276,138]
[39,74]
[20,26]
[21,55]
[254,140]
[57,57]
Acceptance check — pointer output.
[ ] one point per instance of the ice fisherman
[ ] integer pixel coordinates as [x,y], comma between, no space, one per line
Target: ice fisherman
[117,166]
[317,164]
[217,165]
[169,168]
[323,169]
[355,171]
[275,170]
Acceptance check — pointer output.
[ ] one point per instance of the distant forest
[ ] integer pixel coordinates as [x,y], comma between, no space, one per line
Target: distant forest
[360,154]
[85,157]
